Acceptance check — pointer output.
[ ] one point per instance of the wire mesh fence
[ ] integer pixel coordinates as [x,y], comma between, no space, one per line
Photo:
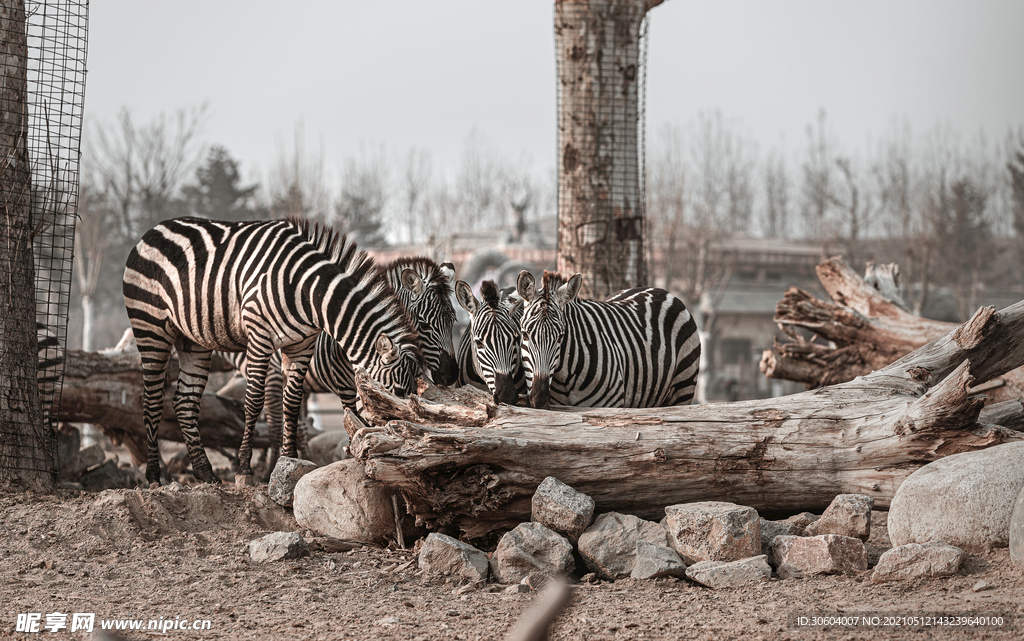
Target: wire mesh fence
[602,74]
[52,72]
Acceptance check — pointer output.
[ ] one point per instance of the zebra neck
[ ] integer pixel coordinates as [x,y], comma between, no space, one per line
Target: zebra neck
[338,299]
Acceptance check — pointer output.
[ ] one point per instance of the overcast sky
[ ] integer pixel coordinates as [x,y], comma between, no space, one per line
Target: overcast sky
[424,74]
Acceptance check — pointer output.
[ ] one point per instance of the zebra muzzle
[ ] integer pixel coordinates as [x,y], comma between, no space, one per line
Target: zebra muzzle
[540,393]
[447,371]
[505,389]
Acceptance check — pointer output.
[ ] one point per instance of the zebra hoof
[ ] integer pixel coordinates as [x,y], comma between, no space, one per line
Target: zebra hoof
[244,480]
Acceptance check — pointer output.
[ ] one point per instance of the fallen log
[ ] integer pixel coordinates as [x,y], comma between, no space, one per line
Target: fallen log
[866,327]
[105,389]
[785,454]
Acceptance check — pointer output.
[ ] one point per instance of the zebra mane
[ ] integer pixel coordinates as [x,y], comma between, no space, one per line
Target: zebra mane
[428,270]
[361,266]
[489,292]
[550,282]
[331,242]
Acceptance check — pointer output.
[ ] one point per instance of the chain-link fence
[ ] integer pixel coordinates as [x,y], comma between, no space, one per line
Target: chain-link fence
[53,72]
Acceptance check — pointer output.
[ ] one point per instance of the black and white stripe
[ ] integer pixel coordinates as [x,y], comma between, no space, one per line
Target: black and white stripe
[489,353]
[199,285]
[639,348]
[50,372]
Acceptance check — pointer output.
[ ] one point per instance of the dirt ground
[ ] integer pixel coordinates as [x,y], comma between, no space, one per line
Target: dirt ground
[146,554]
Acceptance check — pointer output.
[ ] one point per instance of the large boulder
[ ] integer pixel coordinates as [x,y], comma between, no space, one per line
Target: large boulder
[609,546]
[913,560]
[442,554]
[562,508]
[966,500]
[336,502]
[847,515]
[714,531]
[655,561]
[800,556]
[1017,532]
[531,548]
[772,529]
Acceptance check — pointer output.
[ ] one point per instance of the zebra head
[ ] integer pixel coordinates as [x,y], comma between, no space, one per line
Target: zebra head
[395,366]
[495,335]
[426,291]
[544,329]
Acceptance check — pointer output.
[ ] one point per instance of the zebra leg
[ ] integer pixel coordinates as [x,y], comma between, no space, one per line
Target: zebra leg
[155,351]
[295,364]
[273,408]
[194,363]
[257,362]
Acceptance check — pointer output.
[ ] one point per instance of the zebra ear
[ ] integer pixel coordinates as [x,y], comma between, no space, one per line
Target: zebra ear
[526,286]
[464,294]
[386,349]
[448,271]
[412,281]
[567,293]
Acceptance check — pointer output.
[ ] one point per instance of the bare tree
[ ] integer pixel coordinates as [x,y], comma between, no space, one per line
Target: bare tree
[415,187]
[296,184]
[601,219]
[92,241]
[853,205]
[667,200]
[776,191]
[141,169]
[361,207]
[818,188]
[25,458]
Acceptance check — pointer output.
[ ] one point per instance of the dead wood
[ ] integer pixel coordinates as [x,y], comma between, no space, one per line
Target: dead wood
[105,389]
[865,328]
[791,453]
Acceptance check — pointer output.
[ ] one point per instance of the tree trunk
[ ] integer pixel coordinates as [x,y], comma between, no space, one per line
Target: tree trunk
[869,325]
[475,466]
[601,214]
[27,445]
[105,389]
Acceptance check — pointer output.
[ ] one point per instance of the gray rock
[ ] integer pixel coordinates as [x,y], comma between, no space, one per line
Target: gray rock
[847,515]
[562,508]
[608,547]
[914,560]
[285,476]
[772,529]
[82,460]
[278,546]
[965,499]
[800,556]
[107,476]
[322,447]
[714,531]
[720,574]
[334,501]
[442,554]
[801,521]
[528,548]
[1017,532]
[655,561]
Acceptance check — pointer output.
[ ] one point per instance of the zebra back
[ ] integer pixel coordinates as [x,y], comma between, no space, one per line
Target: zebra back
[639,348]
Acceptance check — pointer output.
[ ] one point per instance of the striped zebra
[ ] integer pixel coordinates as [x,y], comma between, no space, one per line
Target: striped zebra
[199,285]
[489,353]
[424,288]
[639,348]
[50,372]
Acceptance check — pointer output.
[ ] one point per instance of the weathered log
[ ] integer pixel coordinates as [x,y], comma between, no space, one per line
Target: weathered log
[867,327]
[105,389]
[791,453]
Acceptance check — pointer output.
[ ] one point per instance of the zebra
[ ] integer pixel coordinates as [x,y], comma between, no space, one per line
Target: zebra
[50,370]
[489,353]
[425,291]
[639,348]
[200,285]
